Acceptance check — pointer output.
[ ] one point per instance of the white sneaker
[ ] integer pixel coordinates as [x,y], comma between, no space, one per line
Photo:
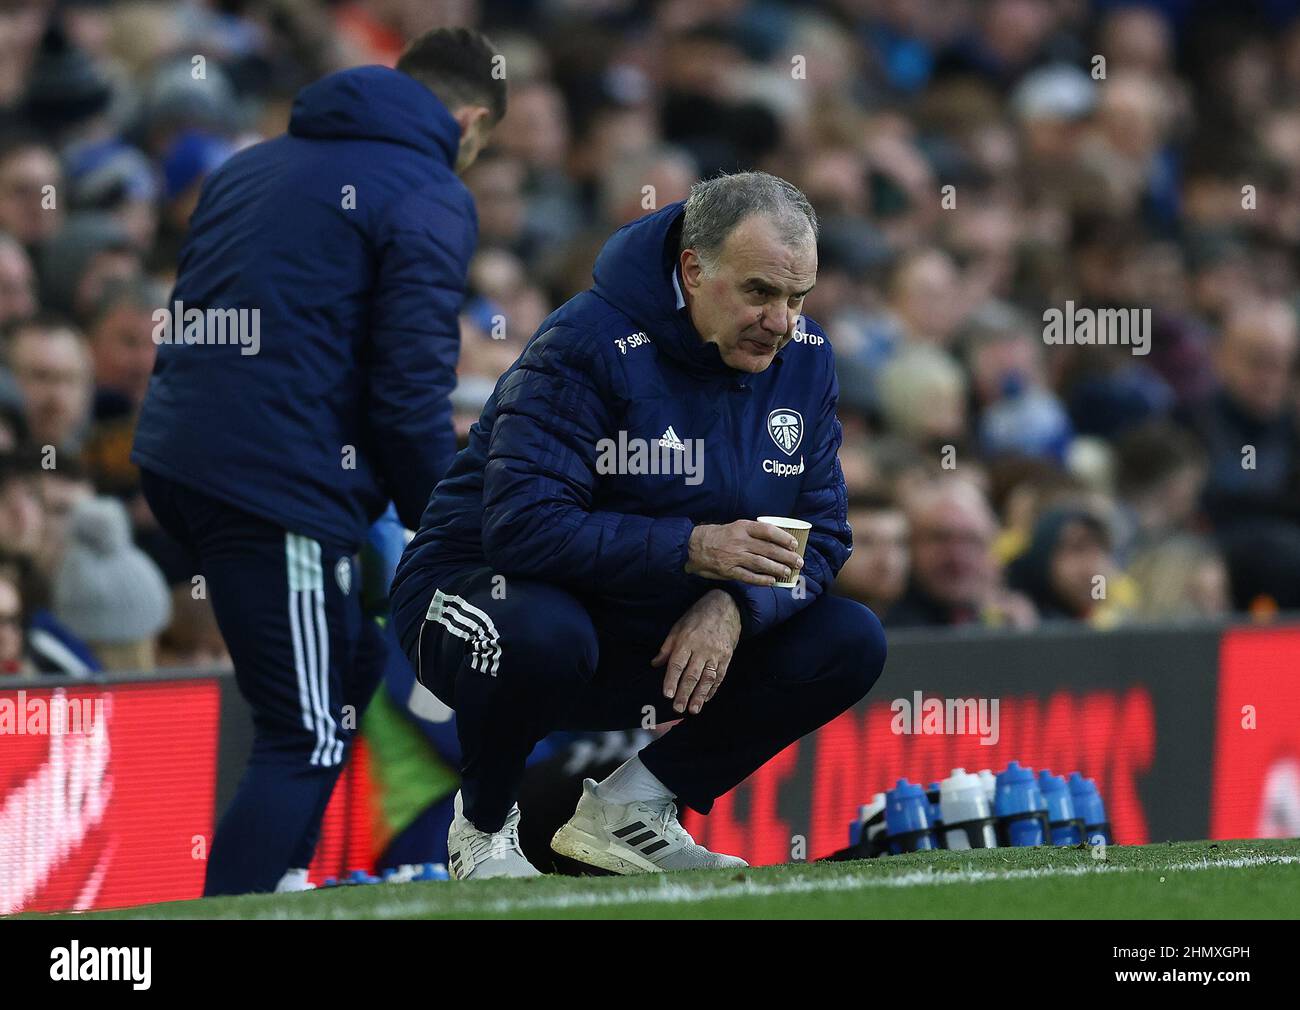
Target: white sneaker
[632,838]
[478,855]
[294,881]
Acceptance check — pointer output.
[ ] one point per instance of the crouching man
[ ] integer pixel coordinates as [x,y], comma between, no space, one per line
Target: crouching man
[593,559]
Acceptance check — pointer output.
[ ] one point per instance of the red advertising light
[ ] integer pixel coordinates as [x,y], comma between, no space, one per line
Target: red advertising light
[106,794]
[1256,788]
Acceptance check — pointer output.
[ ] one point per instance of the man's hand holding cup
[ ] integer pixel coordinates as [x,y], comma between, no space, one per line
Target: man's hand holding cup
[763,552]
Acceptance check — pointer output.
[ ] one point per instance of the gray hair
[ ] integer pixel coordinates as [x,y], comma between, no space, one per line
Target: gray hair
[717,205]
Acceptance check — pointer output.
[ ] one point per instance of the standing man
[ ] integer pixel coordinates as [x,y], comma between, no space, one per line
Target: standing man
[302,382]
[559,582]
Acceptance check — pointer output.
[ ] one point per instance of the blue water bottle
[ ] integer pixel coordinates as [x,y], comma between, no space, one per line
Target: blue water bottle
[1020,808]
[1066,825]
[870,823]
[1088,806]
[907,819]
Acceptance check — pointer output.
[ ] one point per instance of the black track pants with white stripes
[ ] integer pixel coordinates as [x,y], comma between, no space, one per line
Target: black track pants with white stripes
[527,659]
[305,660]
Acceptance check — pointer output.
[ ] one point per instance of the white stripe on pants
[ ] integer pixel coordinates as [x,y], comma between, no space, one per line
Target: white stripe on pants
[311,652]
[464,620]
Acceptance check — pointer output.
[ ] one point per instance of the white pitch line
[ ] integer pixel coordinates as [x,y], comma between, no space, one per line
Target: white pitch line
[676,892]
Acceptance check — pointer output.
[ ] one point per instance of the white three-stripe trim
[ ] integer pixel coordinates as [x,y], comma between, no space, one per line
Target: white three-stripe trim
[311,645]
[464,620]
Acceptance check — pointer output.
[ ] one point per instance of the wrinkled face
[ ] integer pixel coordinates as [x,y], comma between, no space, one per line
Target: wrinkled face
[951,552]
[748,304]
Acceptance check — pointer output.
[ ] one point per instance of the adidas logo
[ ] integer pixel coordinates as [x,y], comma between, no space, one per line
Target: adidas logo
[648,841]
[669,440]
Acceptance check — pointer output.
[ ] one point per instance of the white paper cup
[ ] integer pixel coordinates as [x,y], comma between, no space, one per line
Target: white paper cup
[800,529]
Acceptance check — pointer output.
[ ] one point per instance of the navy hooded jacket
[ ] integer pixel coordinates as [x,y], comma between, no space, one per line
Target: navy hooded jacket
[531,496]
[352,235]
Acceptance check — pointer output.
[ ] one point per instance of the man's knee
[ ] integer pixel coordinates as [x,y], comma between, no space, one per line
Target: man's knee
[537,639]
[549,637]
[854,641]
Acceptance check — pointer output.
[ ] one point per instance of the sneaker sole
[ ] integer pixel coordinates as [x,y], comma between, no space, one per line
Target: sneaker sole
[455,872]
[494,876]
[590,852]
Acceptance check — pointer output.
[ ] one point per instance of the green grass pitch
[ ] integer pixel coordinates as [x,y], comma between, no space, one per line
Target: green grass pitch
[1239,879]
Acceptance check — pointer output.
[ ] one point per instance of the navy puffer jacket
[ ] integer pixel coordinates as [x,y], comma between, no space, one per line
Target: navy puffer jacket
[621,367]
[351,236]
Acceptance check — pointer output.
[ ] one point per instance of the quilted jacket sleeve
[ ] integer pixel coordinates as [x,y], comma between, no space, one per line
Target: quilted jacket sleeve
[538,519]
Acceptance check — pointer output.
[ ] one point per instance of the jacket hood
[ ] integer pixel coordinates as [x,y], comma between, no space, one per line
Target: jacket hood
[636,273]
[1031,571]
[376,103]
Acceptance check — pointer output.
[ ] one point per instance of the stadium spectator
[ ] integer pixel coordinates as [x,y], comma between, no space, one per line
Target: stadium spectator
[85,256]
[17,282]
[1018,413]
[923,397]
[876,572]
[1068,569]
[30,180]
[116,178]
[107,591]
[62,488]
[1182,577]
[1248,427]
[22,517]
[1159,481]
[121,332]
[1021,488]
[13,426]
[14,661]
[643,179]
[954,577]
[51,363]
[191,158]
[69,94]
[926,298]
[49,647]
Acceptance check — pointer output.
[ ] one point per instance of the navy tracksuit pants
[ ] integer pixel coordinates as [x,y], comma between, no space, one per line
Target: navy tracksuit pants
[518,665]
[305,660]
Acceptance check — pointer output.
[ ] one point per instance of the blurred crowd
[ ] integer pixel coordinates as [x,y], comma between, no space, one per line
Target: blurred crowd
[975,164]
